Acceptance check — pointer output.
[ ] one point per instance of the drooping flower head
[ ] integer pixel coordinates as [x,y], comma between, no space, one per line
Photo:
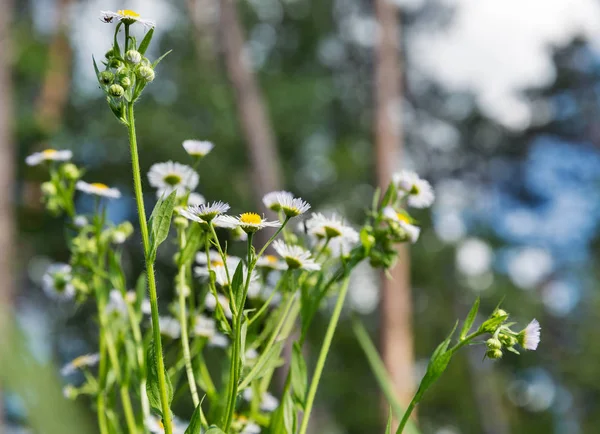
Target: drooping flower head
[271,200]
[206,212]
[412,231]
[419,191]
[48,155]
[169,176]
[290,205]
[250,222]
[332,227]
[98,189]
[57,282]
[125,16]
[529,338]
[295,256]
[198,148]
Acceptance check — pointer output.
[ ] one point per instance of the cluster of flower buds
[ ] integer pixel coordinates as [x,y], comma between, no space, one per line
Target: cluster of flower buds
[504,338]
[127,71]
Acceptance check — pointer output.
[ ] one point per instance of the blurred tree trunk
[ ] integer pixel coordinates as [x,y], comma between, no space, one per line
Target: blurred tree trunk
[7,158]
[396,304]
[252,111]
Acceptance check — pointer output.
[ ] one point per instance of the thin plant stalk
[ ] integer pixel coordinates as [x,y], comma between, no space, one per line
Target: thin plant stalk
[314,384]
[137,183]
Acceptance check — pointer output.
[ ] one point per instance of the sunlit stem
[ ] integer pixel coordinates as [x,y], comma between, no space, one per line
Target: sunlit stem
[314,384]
[137,183]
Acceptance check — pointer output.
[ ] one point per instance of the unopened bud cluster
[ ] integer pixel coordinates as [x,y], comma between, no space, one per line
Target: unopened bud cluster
[504,338]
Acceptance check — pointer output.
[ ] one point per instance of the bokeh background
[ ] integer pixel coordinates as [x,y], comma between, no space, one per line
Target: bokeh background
[499,109]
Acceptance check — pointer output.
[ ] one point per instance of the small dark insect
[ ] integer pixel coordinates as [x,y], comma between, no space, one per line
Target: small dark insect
[106,19]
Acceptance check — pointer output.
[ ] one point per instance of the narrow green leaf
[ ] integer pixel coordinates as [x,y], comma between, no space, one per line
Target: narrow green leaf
[390,194]
[195,426]
[157,61]
[299,377]
[470,320]
[160,222]
[116,48]
[289,415]
[146,41]
[237,283]
[388,427]
[264,364]
[96,67]
[194,240]
[243,334]
[152,387]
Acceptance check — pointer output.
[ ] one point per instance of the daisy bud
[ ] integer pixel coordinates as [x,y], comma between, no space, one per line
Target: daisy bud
[500,313]
[493,344]
[133,56]
[49,189]
[125,82]
[146,73]
[71,171]
[115,63]
[493,354]
[116,91]
[180,222]
[106,77]
[507,340]
[109,54]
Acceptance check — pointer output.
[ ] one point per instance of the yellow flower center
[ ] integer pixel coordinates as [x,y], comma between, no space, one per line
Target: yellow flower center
[217,263]
[250,218]
[270,258]
[402,218]
[172,179]
[79,361]
[99,186]
[49,152]
[128,13]
[161,426]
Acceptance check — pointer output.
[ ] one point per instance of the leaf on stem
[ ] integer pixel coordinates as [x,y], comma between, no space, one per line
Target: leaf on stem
[299,377]
[160,223]
[152,386]
[146,41]
[157,61]
[237,286]
[195,426]
[193,242]
[470,320]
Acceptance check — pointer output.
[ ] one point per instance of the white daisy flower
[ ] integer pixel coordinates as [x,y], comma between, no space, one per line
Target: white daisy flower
[204,326]
[271,262]
[330,227]
[198,148]
[412,231]
[170,327]
[48,155]
[251,428]
[292,206]
[419,191]
[116,303]
[80,221]
[155,425]
[529,338]
[218,340]
[216,260]
[146,307]
[206,212]
[57,282]
[130,297]
[126,16]
[98,189]
[295,256]
[195,199]
[268,402]
[169,176]
[211,304]
[250,222]
[271,200]
[84,361]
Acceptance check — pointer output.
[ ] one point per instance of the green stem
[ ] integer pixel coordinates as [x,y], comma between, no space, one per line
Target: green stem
[184,331]
[314,384]
[407,414]
[128,409]
[137,183]
[102,369]
[268,243]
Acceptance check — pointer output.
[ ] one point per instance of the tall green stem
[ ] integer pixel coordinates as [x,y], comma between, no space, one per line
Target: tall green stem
[137,184]
[314,384]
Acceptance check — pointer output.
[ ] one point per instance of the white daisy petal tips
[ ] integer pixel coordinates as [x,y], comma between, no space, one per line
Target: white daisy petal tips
[125,16]
[198,148]
[249,222]
[84,361]
[291,206]
[48,155]
[98,189]
[529,338]
[330,227]
[419,191]
[412,231]
[271,200]
[295,256]
[206,212]
[169,176]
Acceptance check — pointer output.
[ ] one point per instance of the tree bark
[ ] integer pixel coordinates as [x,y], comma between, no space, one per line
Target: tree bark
[252,112]
[396,305]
